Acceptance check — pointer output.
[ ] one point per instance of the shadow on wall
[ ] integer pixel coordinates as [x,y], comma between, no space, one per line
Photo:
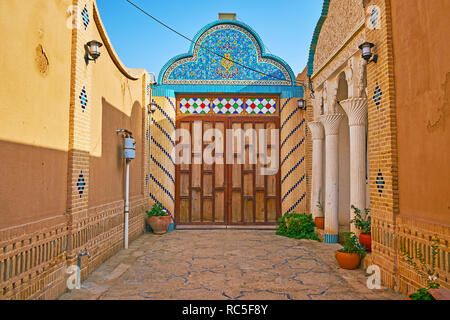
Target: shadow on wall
[107,172]
[34,183]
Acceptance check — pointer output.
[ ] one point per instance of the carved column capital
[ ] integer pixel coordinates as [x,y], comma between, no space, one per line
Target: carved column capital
[331,123]
[356,109]
[317,131]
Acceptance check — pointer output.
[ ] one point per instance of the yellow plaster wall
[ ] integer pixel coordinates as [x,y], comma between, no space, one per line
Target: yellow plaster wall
[34,101]
[116,101]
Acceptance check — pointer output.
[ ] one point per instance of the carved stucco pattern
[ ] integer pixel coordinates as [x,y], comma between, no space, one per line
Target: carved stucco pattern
[340,60]
[343,17]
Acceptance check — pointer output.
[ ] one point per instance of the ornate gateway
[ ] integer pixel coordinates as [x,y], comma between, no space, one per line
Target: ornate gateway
[227,82]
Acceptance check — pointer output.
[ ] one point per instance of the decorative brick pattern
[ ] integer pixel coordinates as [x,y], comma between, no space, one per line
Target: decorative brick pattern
[162,169]
[292,155]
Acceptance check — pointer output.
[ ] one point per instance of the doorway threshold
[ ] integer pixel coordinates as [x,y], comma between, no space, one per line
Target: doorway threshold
[213,227]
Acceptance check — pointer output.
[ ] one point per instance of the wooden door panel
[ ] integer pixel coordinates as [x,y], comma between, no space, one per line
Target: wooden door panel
[219,202]
[260,207]
[196,206]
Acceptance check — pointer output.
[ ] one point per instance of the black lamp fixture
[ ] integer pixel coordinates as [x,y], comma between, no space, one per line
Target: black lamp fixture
[366,49]
[93,50]
[152,107]
[302,104]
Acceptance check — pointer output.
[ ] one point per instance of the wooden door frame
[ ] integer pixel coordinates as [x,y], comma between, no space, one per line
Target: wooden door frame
[228,119]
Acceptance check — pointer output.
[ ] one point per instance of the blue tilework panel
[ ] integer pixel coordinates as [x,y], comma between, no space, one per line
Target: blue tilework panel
[85,17]
[380,182]
[218,56]
[83,99]
[374,17]
[81,184]
[377,94]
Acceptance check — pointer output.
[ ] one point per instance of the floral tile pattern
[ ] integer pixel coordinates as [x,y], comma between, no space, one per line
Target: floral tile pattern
[219,56]
[228,106]
[195,106]
[261,106]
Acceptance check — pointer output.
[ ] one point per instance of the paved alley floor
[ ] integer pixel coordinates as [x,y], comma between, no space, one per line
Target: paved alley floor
[226,264]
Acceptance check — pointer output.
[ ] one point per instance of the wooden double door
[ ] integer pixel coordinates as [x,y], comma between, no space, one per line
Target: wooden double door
[227,192]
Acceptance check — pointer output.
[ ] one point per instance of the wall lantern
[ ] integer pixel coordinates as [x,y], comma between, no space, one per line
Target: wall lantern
[152,107]
[302,104]
[93,50]
[366,49]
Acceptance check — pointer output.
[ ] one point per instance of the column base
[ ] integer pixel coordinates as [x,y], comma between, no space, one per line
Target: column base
[331,238]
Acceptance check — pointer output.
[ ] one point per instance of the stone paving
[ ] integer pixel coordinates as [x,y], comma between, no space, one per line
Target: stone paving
[226,264]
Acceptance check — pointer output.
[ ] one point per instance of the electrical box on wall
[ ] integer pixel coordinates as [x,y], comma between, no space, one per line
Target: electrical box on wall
[130,148]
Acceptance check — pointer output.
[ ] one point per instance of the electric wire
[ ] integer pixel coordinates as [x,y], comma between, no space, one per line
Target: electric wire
[209,50]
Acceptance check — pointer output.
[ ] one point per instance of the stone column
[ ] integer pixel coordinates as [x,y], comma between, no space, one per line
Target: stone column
[317,134]
[331,124]
[356,109]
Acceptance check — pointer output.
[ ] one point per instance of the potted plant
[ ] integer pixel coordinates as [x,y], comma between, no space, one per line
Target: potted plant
[349,257]
[320,221]
[158,219]
[363,224]
[429,274]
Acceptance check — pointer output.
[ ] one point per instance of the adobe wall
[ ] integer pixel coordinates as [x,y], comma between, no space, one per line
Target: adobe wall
[63,173]
[34,95]
[422,81]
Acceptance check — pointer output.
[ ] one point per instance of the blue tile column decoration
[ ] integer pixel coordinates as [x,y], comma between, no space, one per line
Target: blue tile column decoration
[380,182]
[330,238]
[377,96]
[81,184]
[83,99]
[85,17]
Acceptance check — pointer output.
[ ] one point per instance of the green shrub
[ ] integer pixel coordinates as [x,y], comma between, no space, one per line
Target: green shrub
[422,294]
[157,211]
[301,226]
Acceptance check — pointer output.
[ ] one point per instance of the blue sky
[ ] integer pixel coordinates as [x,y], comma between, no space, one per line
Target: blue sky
[285,26]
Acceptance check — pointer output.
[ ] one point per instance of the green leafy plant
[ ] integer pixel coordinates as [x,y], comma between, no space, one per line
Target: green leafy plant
[425,271]
[157,211]
[352,245]
[300,226]
[362,223]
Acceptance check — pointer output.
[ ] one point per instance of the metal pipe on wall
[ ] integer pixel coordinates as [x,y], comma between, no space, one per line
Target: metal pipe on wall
[129,154]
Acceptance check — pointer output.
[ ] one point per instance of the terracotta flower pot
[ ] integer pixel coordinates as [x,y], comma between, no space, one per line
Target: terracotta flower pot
[320,222]
[159,225]
[348,260]
[366,239]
